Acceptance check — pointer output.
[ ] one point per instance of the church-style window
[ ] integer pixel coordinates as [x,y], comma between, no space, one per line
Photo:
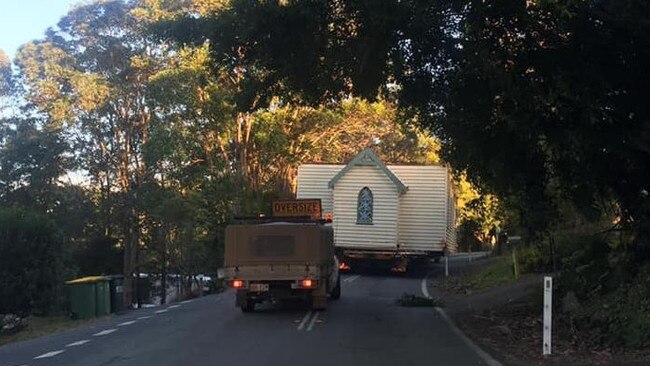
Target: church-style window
[364,206]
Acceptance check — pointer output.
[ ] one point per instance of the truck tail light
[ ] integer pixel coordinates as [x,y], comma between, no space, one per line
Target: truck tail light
[307,283]
[237,283]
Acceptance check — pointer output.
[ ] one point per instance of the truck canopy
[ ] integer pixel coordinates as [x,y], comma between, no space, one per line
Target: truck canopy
[279,243]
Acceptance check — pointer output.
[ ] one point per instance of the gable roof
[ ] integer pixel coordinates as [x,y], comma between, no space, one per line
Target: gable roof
[368,158]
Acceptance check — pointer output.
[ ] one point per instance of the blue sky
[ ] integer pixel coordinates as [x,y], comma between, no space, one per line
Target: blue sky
[24,20]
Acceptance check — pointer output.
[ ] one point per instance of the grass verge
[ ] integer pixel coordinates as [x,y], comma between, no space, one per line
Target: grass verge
[41,326]
[497,272]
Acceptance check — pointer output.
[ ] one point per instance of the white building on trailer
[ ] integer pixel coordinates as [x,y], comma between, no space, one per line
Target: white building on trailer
[380,210]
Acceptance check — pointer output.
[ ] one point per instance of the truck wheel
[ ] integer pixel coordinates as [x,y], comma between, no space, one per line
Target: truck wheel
[436,259]
[336,292]
[249,307]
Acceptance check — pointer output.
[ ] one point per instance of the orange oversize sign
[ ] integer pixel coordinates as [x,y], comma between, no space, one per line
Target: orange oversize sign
[295,208]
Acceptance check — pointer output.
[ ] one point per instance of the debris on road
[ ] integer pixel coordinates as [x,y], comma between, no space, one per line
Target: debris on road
[410,300]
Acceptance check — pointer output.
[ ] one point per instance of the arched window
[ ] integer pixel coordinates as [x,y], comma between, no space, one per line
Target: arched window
[364,206]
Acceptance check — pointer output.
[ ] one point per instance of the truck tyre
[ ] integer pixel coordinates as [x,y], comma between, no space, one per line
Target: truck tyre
[249,307]
[336,292]
[436,259]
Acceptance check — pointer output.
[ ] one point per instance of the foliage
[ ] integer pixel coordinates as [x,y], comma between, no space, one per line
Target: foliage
[138,147]
[531,259]
[6,82]
[30,164]
[31,262]
[96,256]
[289,136]
[619,317]
[495,274]
[612,294]
[498,83]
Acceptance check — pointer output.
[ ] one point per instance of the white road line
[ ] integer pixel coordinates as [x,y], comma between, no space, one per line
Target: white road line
[304,320]
[104,332]
[126,323]
[49,354]
[352,278]
[174,307]
[186,301]
[425,290]
[313,321]
[78,343]
[161,311]
[145,317]
[484,355]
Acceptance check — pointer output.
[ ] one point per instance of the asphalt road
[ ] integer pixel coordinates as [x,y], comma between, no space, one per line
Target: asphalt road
[364,327]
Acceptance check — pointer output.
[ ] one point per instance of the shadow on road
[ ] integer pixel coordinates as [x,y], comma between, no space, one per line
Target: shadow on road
[283,307]
[416,270]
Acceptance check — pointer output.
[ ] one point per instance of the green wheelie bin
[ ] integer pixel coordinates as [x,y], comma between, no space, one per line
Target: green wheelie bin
[89,297]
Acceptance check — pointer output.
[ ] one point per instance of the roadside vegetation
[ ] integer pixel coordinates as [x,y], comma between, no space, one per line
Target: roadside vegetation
[124,153]
[496,272]
[39,326]
[137,129]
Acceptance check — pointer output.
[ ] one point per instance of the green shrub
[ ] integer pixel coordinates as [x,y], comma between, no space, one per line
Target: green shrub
[31,262]
[621,317]
[530,258]
[613,291]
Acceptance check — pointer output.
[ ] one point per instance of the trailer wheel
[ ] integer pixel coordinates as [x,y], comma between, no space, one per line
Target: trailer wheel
[249,307]
[336,292]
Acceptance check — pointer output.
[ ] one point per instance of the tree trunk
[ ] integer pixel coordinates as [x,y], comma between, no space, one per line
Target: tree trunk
[163,270]
[131,260]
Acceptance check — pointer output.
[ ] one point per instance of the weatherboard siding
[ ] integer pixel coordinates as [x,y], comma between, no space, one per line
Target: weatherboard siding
[312,183]
[423,215]
[382,234]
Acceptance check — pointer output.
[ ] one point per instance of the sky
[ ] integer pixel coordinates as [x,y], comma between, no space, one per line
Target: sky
[22,21]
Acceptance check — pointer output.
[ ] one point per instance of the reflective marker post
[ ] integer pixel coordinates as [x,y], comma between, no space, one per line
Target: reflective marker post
[446,266]
[548,314]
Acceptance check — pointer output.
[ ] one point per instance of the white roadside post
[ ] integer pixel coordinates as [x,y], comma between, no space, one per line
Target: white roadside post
[548,314]
[445,252]
[446,266]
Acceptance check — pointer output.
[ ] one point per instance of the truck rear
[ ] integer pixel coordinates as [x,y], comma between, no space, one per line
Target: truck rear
[279,260]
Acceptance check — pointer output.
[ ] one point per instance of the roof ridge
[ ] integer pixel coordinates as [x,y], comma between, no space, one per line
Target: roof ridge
[367,157]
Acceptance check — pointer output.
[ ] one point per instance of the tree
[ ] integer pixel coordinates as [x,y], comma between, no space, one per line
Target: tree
[31,162]
[497,83]
[89,77]
[31,262]
[289,136]
[6,82]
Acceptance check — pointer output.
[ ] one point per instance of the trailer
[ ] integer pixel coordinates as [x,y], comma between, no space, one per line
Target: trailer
[384,214]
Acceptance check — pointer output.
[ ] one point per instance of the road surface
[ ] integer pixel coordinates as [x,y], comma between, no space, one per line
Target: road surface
[364,327]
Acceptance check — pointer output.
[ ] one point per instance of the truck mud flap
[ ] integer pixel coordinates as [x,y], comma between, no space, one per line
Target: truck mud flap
[319,298]
[241,298]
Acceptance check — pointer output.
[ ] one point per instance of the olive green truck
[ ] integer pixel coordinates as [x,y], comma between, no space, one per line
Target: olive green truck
[276,260]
